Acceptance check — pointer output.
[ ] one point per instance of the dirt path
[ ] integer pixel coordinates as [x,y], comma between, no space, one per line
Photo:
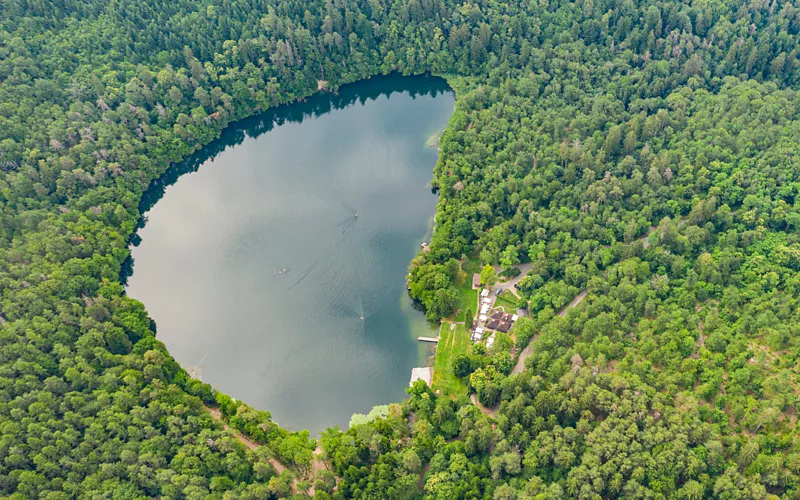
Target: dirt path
[317,464]
[486,411]
[217,415]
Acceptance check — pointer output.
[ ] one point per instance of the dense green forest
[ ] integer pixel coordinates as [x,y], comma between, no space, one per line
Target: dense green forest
[580,127]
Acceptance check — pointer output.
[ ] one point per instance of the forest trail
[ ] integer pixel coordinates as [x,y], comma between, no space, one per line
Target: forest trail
[317,463]
[217,415]
[486,411]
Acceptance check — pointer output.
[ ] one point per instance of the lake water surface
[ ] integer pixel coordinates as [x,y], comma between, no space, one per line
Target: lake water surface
[275,266]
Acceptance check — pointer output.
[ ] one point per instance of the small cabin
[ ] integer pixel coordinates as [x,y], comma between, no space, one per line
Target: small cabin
[476,281]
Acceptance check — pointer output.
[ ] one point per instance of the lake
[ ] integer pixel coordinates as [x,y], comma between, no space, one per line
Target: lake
[273,262]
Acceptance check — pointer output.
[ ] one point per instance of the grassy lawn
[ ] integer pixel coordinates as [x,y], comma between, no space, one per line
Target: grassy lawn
[451,342]
[468,298]
[508,300]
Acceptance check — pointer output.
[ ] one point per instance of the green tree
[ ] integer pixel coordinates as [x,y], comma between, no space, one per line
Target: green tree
[488,275]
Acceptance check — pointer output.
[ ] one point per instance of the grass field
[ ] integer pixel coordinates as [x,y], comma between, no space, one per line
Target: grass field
[508,300]
[468,298]
[451,342]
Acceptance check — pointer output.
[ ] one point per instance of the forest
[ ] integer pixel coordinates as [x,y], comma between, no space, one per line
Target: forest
[581,126]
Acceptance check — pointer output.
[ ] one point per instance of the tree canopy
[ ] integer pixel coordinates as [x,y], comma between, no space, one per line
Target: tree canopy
[644,151]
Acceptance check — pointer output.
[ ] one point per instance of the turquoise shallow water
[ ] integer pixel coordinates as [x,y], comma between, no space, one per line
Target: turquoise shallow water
[273,262]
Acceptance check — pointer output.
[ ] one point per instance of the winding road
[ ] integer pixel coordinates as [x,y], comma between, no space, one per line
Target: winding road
[525,354]
[509,285]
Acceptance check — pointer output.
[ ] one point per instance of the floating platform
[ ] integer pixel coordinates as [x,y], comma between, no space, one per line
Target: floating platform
[428,339]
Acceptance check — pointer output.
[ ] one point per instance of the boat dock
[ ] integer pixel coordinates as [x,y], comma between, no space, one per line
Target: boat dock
[428,339]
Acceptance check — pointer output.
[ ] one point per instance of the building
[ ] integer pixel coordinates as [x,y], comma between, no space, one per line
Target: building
[497,315]
[507,318]
[503,327]
[490,341]
[514,317]
[484,292]
[492,325]
[476,281]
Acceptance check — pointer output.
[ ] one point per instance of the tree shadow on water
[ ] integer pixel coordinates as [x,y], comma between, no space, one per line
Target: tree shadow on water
[314,106]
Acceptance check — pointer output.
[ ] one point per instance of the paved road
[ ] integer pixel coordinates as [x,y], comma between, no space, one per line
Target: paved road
[525,354]
[509,285]
[573,303]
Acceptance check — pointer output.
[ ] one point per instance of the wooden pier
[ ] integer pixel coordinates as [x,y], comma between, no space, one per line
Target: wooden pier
[428,339]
